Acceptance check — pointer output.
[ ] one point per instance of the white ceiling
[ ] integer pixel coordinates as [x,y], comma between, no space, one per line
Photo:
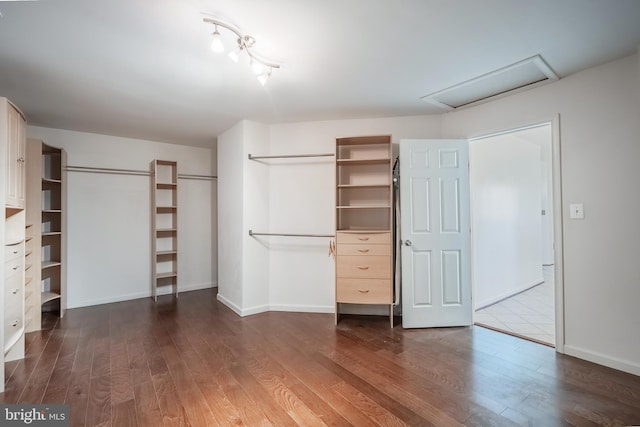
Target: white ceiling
[143,68]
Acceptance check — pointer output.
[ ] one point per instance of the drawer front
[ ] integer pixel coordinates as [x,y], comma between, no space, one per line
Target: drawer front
[368,238]
[13,252]
[11,327]
[364,266]
[364,291]
[13,289]
[364,249]
[13,267]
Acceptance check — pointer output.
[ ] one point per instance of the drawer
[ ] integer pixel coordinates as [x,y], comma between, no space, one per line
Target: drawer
[364,249]
[13,267]
[364,291]
[373,266]
[13,288]
[13,252]
[369,238]
[11,328]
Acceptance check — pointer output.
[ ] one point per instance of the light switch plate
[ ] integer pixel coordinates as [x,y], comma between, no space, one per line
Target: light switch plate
[576,211]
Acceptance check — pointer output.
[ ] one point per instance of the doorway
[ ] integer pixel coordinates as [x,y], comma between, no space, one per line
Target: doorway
[512,217]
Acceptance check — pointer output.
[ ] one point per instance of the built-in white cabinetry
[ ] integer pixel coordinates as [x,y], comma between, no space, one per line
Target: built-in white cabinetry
[364,218]
[12,149]
[46,200]
[164,226]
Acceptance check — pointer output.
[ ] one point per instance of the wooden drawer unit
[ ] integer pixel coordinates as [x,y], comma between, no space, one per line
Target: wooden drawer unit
[364,291]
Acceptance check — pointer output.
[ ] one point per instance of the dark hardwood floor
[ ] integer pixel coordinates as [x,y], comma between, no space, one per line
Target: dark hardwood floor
[194,362]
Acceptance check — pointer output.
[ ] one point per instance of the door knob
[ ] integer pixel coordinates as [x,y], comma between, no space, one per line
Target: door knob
[407,242]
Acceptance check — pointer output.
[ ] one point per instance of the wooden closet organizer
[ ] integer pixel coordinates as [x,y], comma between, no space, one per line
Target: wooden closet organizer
[364,212]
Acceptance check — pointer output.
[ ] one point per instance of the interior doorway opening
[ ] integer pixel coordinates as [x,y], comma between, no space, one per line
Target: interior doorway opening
[512,222]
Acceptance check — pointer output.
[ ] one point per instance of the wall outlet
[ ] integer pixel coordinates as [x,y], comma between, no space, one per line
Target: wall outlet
[576,211]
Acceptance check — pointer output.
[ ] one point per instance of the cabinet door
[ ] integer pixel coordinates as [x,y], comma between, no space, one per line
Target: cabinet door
[15,160]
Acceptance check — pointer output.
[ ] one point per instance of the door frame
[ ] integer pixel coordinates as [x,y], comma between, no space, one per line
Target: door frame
[556,177]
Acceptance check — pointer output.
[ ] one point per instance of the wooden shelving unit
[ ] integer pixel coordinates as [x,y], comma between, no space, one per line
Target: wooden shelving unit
[164,226]
[364,218]
[46,201]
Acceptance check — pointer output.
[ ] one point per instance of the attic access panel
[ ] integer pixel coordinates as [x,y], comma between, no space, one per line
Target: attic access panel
[522,75]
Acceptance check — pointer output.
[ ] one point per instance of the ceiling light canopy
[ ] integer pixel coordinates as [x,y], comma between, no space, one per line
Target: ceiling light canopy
[244,43]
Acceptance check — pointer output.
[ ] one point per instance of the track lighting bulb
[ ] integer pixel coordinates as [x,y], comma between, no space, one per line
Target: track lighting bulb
[216,42]
[234,55]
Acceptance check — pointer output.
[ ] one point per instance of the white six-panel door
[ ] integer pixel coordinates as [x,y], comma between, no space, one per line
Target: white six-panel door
[435,233]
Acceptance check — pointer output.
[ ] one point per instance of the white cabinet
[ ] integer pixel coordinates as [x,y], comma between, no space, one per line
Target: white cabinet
[12,154]
[14,141]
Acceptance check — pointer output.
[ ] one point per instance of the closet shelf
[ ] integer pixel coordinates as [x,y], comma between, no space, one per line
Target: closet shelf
[166,230]
[166,253]
[51,233]
[166,275]
[166,186]
[386,186]
[51,181]
[48,296]
[365,207]
[52,211]
[49,264]
[363,162]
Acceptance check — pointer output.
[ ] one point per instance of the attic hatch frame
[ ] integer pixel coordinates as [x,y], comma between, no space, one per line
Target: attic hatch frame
[535,64]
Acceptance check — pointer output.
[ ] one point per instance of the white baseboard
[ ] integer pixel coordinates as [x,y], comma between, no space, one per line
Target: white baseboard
[237,310]
[603,359]
[242,312]
[138,295]
[303,308]
[490,301]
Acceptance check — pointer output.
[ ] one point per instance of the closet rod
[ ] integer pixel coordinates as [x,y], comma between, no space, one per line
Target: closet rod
[253,233]
[202,177]
[70,168]
[290,156]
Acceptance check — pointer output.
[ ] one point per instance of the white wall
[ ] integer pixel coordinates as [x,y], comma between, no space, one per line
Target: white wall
[108,216]
[506,187]
[256,194]
[599,112]
[230,216]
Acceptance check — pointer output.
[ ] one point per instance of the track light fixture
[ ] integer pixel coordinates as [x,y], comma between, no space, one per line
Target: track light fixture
[244,43]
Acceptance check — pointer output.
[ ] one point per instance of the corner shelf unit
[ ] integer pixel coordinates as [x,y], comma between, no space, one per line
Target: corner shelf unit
[164,226]
[46,233]
[364,220]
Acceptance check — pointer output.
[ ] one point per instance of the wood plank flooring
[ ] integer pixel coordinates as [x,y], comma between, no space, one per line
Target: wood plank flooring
[192,362]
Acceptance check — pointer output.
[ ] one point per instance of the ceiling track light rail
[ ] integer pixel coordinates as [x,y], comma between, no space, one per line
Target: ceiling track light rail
[244,43]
